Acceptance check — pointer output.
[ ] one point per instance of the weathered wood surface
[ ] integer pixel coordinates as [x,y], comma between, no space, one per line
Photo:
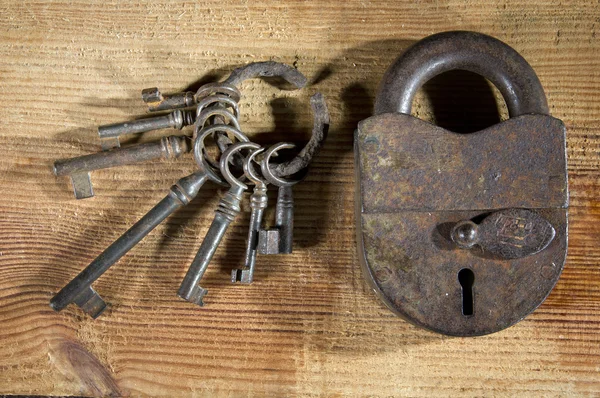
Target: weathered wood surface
[308,325]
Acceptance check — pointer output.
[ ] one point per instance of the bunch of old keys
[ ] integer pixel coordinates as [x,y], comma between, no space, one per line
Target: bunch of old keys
[214,112]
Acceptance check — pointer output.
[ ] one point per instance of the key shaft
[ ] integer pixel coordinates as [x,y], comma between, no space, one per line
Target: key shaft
[157,101]
[167,148]
[258,203]
[228,209]
[278,240]
[178,119]
[78,168]
[284,218]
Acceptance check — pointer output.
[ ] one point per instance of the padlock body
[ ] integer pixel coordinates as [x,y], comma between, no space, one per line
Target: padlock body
[416,180]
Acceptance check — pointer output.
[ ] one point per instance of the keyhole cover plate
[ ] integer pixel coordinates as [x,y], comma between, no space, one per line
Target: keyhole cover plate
[417,180]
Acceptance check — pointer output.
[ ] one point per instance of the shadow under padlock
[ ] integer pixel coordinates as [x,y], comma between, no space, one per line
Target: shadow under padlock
[462,234]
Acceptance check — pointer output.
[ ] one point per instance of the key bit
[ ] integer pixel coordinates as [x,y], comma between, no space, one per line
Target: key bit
[156,101]
[279,239]
[79,168]
[268,241]
[228,209]
[258,203]
[79,290]
[90,302]
[178,119]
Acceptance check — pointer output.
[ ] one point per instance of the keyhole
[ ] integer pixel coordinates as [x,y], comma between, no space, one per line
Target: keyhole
[466,277]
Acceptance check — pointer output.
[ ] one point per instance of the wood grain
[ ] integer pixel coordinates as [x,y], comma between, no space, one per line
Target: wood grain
[308,325]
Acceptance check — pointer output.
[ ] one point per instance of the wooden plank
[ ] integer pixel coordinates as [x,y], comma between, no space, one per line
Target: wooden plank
[308,325]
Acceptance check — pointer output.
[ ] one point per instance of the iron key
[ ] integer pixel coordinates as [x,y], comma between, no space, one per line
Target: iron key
[79,168]
[228,209]
[258,203]
[280,238]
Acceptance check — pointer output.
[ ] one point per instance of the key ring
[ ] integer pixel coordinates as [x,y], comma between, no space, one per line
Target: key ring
[199,152]
[251,173]
[225,162]
[267,171]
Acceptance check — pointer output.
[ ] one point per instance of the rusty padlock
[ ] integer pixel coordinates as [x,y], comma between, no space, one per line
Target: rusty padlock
[462,234]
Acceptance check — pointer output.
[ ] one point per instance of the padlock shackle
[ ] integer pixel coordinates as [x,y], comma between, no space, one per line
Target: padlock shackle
[470,51]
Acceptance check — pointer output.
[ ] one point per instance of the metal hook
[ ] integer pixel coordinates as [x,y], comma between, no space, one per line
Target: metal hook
[313,146]
[267,69]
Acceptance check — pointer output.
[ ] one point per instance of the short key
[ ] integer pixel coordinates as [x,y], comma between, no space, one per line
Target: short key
[228,209]
[278,240]
[258,203]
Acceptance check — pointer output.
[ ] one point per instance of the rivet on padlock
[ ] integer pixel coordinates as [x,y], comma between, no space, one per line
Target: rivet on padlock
[462,234]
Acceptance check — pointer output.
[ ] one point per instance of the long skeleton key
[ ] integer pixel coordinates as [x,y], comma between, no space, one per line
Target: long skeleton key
[258,203]
[79,290]
[79,168]
[228,209]
[280,239]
